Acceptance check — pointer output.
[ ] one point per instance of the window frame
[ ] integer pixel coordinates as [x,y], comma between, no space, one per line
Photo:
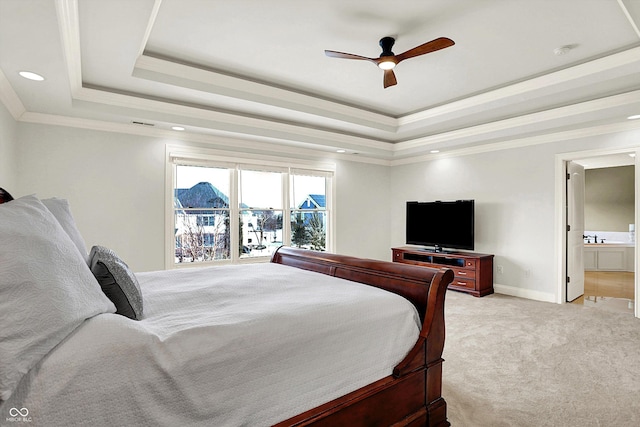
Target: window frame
[192,156]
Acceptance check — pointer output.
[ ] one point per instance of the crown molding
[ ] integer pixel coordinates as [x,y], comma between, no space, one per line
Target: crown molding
[69,27]
[256,145]
[215,82]
[561,77]
[226,121]
[150,24]
[212,82]
[523,120]
[633,21]
[10,98]
[587,132]
[244,144]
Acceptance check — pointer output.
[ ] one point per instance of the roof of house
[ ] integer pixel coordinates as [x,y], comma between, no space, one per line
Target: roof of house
[206,195]
[313,201]
[202,195]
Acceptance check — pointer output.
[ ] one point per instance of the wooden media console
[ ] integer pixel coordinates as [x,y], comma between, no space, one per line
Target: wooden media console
[473,272]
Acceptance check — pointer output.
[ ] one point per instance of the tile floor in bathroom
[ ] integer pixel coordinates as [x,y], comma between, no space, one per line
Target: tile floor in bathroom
[608,290]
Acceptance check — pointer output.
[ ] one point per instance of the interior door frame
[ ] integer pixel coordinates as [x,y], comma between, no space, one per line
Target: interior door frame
[561,217]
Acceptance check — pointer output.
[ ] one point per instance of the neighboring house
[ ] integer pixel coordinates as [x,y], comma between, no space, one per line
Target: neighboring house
[202,195]
[309,228]
[200,233]
[313,201]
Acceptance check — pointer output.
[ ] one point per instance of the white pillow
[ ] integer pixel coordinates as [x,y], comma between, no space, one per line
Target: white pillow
[61,210]
[46,288]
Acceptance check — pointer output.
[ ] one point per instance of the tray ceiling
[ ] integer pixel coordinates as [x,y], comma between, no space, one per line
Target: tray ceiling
[256,71]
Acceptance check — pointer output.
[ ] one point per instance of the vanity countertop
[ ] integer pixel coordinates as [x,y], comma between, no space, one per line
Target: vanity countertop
[610,245]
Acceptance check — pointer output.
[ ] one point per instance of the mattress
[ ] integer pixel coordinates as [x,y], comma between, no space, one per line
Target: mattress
[241,345]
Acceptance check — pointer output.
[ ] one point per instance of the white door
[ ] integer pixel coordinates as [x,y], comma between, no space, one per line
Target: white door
[575,231]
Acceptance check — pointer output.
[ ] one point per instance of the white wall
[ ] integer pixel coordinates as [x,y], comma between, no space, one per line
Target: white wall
[8,156]
[514,191]
[115,184]
[363,210]
[609,200]
[514,202]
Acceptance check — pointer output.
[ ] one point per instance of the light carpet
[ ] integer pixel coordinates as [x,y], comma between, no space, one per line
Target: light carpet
[516,362]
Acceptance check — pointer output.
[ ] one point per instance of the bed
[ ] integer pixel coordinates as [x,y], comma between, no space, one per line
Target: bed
[309,338]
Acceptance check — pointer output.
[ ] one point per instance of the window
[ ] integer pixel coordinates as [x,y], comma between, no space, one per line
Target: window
[260,212]
[308,212]
[201,214]
[235,212]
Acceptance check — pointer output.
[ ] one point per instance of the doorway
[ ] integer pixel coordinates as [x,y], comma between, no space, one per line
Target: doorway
[595,159]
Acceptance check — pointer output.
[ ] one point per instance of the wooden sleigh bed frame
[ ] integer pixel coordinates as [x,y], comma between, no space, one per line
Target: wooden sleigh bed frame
[412,395]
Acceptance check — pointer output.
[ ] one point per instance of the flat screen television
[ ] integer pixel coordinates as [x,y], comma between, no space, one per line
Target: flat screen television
[441,224]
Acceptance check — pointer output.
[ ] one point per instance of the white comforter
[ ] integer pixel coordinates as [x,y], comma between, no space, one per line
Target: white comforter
[245,345]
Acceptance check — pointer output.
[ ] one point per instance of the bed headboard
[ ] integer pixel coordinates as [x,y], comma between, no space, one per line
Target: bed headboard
[5,196]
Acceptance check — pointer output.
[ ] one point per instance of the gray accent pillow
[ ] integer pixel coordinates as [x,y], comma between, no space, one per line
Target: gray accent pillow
[117,281]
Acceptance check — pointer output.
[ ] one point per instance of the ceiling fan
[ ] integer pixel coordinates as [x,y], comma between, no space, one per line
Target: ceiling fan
[388,60]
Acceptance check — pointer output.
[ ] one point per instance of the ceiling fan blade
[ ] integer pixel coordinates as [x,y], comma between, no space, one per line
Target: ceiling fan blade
[334,54]
[428,47]
[389,78]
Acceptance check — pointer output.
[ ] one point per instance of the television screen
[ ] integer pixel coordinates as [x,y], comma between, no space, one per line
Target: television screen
[441,224]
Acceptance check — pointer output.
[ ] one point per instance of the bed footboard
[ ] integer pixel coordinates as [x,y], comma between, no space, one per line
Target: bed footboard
[412,395]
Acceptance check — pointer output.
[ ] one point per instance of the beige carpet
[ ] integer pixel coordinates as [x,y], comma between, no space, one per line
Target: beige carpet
[516,362]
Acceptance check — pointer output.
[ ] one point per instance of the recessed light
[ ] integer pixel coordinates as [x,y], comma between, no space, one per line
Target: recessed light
[434,151]
[562,50]
[31,76]
[177,128]
[341,151]
[635,116]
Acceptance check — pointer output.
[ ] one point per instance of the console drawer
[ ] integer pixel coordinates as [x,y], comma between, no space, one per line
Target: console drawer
[461,273]
[463,283]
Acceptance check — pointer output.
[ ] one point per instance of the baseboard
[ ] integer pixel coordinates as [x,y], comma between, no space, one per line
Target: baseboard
[524,293]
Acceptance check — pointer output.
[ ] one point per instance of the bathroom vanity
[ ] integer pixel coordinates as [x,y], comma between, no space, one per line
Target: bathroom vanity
[609,256]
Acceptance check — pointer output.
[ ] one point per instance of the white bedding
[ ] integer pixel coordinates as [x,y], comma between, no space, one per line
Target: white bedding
[246,345]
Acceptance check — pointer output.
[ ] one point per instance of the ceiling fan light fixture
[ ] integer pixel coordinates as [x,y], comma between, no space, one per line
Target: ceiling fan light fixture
[388,60]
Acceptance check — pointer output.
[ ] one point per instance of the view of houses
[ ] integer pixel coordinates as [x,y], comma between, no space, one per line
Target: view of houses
[203,231]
